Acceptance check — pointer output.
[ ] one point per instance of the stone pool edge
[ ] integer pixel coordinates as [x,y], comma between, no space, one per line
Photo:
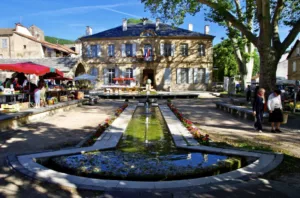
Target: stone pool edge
[27,165]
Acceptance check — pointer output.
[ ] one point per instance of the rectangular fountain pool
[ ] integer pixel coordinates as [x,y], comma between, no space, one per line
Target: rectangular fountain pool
[146,152]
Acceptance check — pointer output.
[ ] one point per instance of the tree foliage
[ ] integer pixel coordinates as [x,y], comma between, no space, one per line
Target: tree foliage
[265,16]
[136,21]
[225,60]
[56,40]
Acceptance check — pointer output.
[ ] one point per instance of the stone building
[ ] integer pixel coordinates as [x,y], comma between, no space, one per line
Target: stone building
[294,62]
[21,42]
[173,58]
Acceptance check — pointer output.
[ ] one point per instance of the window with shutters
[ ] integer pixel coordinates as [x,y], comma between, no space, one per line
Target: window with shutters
[294,66]
[184,75]
[201,50]
[128,50]
[111,50]
[167,49]
[94,51]
[94,71]
[184,49]
[4,43]
[111,76]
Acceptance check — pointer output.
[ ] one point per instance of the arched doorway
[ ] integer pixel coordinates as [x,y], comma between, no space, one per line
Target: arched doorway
[79,70]
[148,74]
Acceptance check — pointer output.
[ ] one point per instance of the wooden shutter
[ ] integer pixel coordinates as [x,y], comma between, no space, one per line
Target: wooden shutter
[98,50]
[167,76]
[162,49]
[117,72]
[196,80]
[207,76]
[123,50]
[173,49]
[134,49]
[178,71]
[88,51]
[191,77]
[105,76]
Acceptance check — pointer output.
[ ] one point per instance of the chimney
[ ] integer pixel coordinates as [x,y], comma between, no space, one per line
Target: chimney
[157,24]
[88,31]
[190,27]
[124,24]
[206,29]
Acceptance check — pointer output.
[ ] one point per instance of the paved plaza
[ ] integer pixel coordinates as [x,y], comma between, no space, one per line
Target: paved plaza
[69,128]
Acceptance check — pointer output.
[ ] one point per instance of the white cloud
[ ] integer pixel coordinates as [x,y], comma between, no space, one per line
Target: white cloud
[128,14]
[82,9]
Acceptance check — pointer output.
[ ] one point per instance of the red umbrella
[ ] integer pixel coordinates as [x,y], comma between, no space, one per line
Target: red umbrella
[30,68]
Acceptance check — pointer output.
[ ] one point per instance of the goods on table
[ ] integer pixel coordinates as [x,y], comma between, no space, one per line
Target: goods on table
[63,98]
[10,108]
[79,95]
[297,105]
[24,105]
[50,101]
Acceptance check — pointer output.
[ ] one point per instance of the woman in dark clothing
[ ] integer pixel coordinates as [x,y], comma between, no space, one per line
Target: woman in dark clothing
[258,109]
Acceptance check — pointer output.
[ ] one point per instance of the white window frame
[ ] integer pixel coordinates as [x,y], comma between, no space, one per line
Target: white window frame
[184,49]
[4,46]
[111,50]
[202,49]
[111,75]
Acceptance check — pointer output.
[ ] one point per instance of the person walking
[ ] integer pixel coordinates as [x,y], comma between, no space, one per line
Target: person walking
[248,95]
[258,109]
[275,110]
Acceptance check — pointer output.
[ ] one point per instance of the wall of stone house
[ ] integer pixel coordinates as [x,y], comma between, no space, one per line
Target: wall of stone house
[159,63]
[37,33]
[4,52]
[33,49]
[291,74]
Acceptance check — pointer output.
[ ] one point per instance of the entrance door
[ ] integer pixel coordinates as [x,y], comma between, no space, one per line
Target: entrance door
[148,74]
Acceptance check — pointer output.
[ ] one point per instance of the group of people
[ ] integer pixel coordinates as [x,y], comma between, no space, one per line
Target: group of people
[274,107]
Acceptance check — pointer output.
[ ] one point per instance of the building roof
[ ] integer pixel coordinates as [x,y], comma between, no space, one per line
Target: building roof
[64,64]
[6,31]
[135,30]
[294,47]
[49,45]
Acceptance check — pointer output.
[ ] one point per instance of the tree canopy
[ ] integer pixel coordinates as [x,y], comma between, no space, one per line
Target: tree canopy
[265,16]
[56,40]
[225,60]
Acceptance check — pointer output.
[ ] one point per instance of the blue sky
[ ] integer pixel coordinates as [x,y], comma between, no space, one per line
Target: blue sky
[68,18]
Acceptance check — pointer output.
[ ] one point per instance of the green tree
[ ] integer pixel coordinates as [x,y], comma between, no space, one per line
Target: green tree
[224,60]
[268,17]
[56,40]
[136,21]
[256,63]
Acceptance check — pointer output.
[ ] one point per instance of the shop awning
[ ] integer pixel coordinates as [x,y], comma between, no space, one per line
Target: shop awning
[30,68]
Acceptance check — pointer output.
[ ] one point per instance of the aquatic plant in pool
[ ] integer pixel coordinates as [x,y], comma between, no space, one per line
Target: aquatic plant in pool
[146,152]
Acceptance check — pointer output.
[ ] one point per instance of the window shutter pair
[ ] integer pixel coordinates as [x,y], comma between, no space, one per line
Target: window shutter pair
[123,50]
[162,49]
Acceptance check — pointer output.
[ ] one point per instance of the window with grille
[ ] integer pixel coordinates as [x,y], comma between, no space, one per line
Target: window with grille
[201,50]
[111,76]
[128,49]
[4,43]
[167,49]
[184,49]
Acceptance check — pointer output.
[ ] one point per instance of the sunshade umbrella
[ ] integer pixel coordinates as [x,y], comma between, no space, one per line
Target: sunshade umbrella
[30,68]
[86,77]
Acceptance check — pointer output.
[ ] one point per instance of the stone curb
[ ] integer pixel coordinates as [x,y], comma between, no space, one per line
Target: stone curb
[26,164]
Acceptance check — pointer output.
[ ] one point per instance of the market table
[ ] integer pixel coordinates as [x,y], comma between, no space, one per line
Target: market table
[3,97]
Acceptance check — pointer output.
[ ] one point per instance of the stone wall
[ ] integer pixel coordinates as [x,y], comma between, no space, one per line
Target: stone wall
[193,60]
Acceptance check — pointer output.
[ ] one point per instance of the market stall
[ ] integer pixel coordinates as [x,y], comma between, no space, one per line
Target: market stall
[22,97]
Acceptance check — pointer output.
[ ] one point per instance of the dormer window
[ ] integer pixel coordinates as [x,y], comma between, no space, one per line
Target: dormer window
[147,33]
